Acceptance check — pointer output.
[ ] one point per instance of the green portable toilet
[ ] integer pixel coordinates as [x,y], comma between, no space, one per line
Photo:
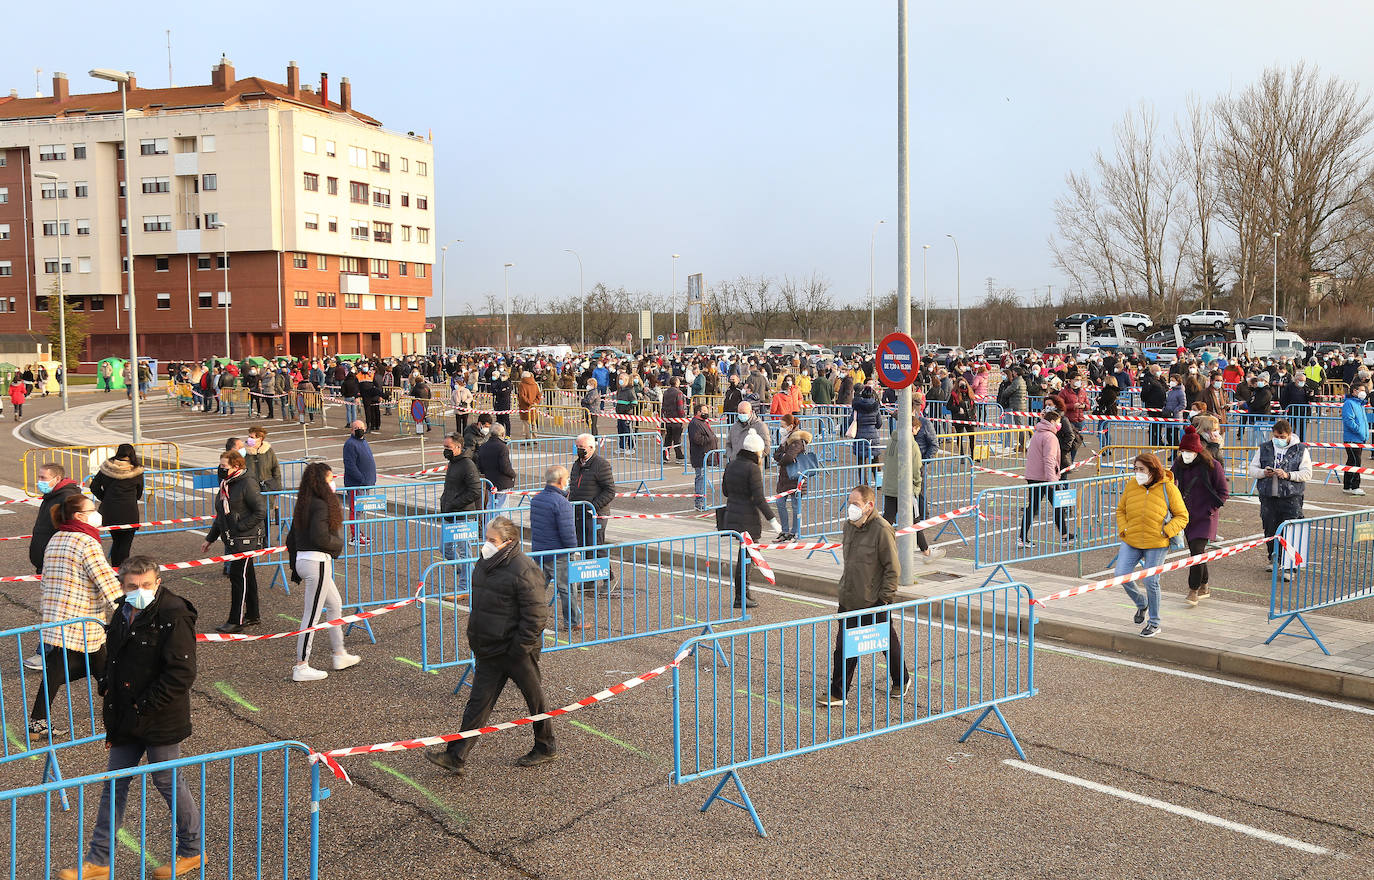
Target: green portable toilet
[116,372]
[7,374]
[253,361]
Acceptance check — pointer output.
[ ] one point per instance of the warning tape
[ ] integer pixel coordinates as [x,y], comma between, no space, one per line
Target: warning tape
[1342,468]
[1070,469]
[328,624]
[172,566]
[156,522]
[764,568]
[835,545]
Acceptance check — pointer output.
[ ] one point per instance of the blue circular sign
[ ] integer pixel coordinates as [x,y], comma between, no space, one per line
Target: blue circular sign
[896,362]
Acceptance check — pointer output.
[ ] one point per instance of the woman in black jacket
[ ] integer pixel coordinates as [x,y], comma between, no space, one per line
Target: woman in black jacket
[314,541]
[746,506]
[119,486]
[241,516]
[493,460]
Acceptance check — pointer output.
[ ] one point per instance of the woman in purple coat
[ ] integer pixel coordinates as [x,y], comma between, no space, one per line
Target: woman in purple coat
[1201,480]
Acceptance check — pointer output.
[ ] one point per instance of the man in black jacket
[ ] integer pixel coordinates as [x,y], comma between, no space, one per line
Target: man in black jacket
[151,665]
[591,480]
[462,492]
[674,407]
[1152,399]
[475,434]
[701,440]
[505,631]
[53,483]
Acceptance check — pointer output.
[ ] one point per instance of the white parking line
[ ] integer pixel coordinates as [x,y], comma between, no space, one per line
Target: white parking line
[1206,818]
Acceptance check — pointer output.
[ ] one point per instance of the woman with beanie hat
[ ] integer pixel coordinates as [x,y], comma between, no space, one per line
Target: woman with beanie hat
[1201,480]
[746,508]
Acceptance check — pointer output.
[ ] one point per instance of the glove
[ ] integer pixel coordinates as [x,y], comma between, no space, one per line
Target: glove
[775,525]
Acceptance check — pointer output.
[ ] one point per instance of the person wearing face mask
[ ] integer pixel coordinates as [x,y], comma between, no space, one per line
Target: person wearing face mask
[746,507]
[1282,467]
[1175,405]
[591,406]
[784,402]
[119,487]
[1043,466]
[1354,429]
[1074,399]
[55,488]
[1294,400]
[151,665]
[475,434]
[1149,513]
[701,439]
[1201,480]
[1152,394]
[745,423]
[77,582]
[868,580]
[493,460]
[241,518]
[1216,399]
[866,418]
[314,541]
[674,407]
[626,402]
[500,395]
[592,480]
[1258,409]
[506,622]
[261,459]
[552,528]
[360,473]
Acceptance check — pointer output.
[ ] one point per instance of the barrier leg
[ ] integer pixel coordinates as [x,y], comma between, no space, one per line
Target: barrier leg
[715,646]
[1002,569]
[1310,634]
[280,574]
[53,773]
[952,524]
[1005,732]
[467,673]
[744,803]
[365,624]
[832,553]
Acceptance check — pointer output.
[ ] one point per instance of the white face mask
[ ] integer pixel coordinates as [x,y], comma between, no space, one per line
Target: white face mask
[1142,479]
[489,549]
[1188,457]
[854,513]
[93,519]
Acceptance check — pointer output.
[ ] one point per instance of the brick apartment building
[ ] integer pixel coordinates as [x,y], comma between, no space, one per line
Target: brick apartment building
[326,216]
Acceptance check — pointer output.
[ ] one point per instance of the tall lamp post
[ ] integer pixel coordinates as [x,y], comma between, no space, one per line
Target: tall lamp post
[61,291]
[224,245]
[506,272]
[902,433]
[1276,281]
[673,298]
[116,76]
[925,297]
[872,294]
[581,307]
[443,302]
[958,290]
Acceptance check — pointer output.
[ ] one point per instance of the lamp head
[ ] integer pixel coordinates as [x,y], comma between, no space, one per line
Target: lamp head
[110,75]
[45,175]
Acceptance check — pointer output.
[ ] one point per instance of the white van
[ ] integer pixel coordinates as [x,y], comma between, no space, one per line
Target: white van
[723,351]
[1274,343]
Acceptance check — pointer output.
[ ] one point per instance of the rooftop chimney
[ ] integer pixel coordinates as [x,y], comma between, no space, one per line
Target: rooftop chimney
[293,80]
[345,95]
[222,76]
[59,88]
[133,80]
[324,89]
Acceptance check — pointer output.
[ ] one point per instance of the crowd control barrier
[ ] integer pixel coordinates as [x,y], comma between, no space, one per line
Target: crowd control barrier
[256,811]
[190,492]
[997,448]
[1060,519]
[749,696]
[1235,459]
[564,421]
[1337,553]
[644,464]
[82,462]
[832,453]
[660,586]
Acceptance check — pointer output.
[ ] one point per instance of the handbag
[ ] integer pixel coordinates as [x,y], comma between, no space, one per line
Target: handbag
[805,461]
[720,518]
[853,430]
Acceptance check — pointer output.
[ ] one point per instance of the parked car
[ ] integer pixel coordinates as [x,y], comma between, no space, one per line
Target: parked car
[1074,320]
[1161,337]
[1263,322]
[1161,354]
[1205,318]
[1274,343]
[608,351]
[1135,321]
[1113,341]
[1020,354]
[1203,340]
[849,352]
[1326,347]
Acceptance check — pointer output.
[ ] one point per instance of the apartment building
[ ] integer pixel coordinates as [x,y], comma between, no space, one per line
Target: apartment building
[316,220]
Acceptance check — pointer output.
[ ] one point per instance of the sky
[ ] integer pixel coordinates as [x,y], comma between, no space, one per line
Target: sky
[748,137]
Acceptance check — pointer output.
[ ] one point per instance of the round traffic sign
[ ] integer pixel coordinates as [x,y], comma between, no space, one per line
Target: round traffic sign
[674,337]
[896,362]
[660,337]
[417,410]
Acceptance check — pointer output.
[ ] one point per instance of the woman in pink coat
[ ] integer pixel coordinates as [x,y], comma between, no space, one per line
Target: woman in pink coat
[1042,472]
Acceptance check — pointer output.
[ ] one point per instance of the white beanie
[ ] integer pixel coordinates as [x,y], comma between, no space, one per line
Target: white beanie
[753,443]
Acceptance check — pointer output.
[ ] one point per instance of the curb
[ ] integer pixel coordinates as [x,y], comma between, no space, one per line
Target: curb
[37,426]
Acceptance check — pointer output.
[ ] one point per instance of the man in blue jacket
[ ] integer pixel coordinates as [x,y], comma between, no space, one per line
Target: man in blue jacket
[551,522]
[360,471]
[1354,429]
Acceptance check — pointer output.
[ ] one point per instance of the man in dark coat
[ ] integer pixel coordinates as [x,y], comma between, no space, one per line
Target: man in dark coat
[476,433]
[674,407]
[55,487]
[462,493]
[701,440]
[149,670]
[746,506]
[505,631]
[591,480]
[552,528]
[493,460]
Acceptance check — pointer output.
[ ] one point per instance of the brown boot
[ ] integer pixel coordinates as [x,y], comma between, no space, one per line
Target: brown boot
[1192,597]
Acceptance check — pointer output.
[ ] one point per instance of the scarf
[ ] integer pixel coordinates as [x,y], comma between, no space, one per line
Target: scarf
[77,525]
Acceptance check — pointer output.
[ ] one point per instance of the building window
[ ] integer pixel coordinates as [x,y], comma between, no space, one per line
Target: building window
[207,143]
[350,265]
[50,227]
[405,164]
[163,264]
[332,186]
[352,301]
[212,220]
[52,190]
[420,270]
[357,192]
[329,148]
[6,268]
[301,298]
[405,200]
[157,223]
[83,265]
[422,168]
[300,261]
[413,303]
[312,221]
[327,300]
[83,227]
[78,304]
[153,146]
[381,161]
[220,262]
[307,143]
[5,230]
[83,189]
[203,261]
[123,190]
[357,157]
[405,233]
[4,195]
[381,232]
[321,262]
[422,235]
[51,152]
[312,182]
[205,300]
[97,303]
[40,303]
[209,182]
[358,230]
[403,269]
[333,224]
[381,268]
[381,198]
[123,225]
[157,185]
[422,202]
[4,159]
[164,301]
[78,151]
[50,266]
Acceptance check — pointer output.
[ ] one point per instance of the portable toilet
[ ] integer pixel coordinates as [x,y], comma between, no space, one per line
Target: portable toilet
[116,371]
[7,374]
[51,385]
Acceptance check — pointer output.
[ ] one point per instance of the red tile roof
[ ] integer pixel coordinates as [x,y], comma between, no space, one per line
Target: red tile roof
[243,91]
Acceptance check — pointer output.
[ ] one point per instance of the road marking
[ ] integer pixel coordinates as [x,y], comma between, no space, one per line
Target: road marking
[429,795]
[608,738]
[409,662]
[289,617]
[126,837]
[1207,818]
[228,691]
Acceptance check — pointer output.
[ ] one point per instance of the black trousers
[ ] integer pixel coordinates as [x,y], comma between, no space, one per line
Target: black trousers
[372,413]
[1042,491]
[243,591]
[1274,512]
[890,514]
[739,577]
[842,669]
[519,666]
[61,665]
[673,442]
[1348,480]
[1197,575]
[121,542]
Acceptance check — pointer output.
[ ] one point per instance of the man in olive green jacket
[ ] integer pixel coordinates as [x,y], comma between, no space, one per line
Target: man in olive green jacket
[869,580]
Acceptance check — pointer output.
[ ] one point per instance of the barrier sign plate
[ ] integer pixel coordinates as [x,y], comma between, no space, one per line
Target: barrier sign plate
[1066,498]
[589,570]
[897,362]
[869,639]
[460,531]
[1364,532]
[369,503]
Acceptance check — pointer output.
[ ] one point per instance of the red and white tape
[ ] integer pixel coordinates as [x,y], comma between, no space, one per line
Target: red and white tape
[328,624]
[764,568]
[1342,468]
[156,522]
[835,545]
[171,566]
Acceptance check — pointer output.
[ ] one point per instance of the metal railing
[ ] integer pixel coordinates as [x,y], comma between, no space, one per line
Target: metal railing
[643,464]
[1337,567]
[82,462]
[1013,529]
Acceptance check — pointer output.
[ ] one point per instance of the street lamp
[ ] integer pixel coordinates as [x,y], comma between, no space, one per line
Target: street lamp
[925,298]
[61,292]
[122,78]
[224,242]
[506,272]
[443,302]
[872,294]
[1275,326]
[958,290]
[673,298]
[581,307]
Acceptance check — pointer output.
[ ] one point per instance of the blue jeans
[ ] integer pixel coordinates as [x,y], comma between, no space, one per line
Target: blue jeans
[187,811]
[459,550]
[1127,558]
[699,487]
[789,513]
[350,410]
[556,572]
[625,441]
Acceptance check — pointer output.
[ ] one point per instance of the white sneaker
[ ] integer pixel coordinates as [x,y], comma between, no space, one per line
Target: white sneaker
[1356,491]
[934,554]
[345,660]
[307,673]
[35,662]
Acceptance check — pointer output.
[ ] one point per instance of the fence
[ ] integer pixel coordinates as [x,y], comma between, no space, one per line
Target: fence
[642,465]
[190,492]
[746,697]
[997,448]
[567,421]
[253,818]
[1235,459]
[836,453]
[1338,567]
[82,462]
[946,484]
[662,585]
[433,415]
[1010,529]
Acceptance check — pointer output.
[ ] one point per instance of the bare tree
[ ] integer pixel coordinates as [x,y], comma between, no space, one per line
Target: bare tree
[1197,159]
[807,302]
[761,304]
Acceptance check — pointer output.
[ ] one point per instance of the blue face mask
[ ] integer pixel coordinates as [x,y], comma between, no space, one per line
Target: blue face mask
[140,599]
[743,417]
[1281,442]
[44,487]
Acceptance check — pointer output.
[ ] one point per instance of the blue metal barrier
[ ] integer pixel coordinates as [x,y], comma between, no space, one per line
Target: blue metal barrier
[972,652]
[1338,567]
[644,464]
[1082,511]
[252,817]
[821,508]
[839,453]
[190,492]
[661,586]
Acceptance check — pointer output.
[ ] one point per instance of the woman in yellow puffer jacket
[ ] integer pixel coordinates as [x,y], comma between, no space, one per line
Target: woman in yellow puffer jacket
[1148,516]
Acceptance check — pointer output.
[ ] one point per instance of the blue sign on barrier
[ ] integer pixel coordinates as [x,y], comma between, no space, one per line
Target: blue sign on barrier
[460,531]
[370,503]
[589,570]
[869,639]
[1066,498]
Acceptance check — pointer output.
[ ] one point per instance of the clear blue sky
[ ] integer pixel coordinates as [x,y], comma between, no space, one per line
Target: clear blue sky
[754,137]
